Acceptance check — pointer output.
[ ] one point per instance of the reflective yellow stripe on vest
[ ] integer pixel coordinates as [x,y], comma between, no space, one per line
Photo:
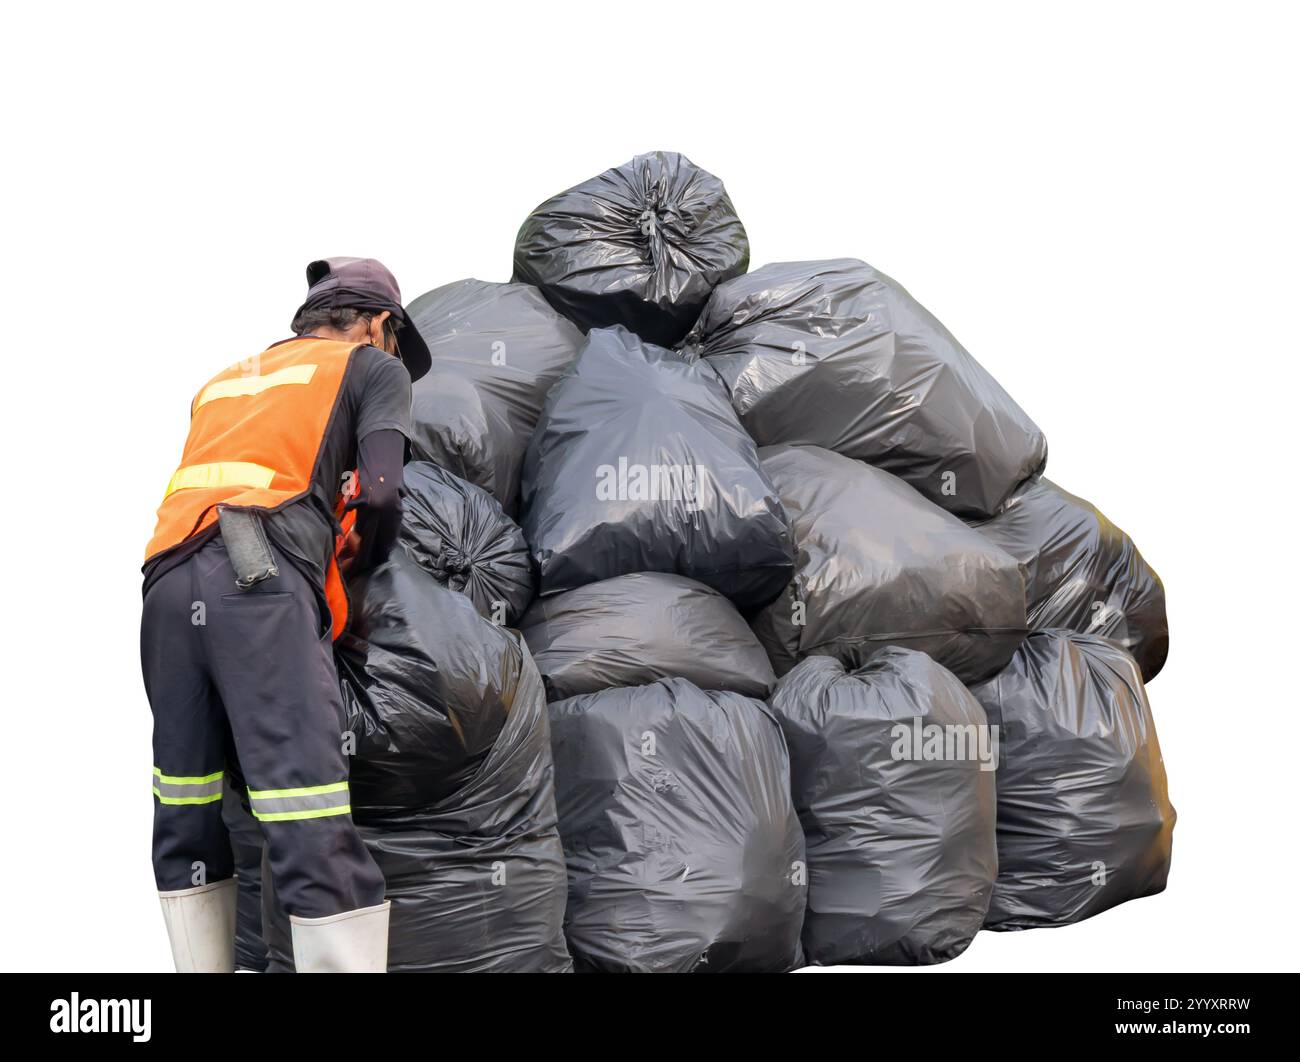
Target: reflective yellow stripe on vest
[221,474]
[305,802]
[246,386]
[187,789]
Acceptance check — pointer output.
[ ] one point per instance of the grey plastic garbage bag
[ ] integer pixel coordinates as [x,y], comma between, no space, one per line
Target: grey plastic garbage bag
[683,848]
[891,768]
[1084,819]
[459,533]
[497,349]
[836,354]
[452,782]
[633,629]
[879,565]
[452,428]
[641,245]
[1083,573]
[639,464]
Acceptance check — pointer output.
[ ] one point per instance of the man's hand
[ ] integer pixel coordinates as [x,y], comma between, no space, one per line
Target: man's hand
[350,551]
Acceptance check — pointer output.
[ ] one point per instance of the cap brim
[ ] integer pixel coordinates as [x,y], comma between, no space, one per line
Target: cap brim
[412,349]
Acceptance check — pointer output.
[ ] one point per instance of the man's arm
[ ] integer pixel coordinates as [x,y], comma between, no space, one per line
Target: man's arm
[378,505]
[383,425]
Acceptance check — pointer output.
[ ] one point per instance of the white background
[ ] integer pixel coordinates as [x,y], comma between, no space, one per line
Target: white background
[1100,203]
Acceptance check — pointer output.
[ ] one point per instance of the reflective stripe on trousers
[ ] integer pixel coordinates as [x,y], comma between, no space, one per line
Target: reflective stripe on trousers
[305,802]
[173,789]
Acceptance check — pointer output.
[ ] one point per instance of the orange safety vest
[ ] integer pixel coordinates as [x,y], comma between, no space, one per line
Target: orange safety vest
[256,431]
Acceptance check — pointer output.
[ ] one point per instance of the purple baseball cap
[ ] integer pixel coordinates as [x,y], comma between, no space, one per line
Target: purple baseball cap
[365,284]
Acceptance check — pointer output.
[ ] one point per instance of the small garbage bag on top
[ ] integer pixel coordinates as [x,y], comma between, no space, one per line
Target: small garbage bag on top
[641,245]
[683,847]
[452,783]
[639,464]
[1084,819]
[891,768]
[459,533]
[1082,572]
[836,354]
[633,629]
[506,343]
[879,565]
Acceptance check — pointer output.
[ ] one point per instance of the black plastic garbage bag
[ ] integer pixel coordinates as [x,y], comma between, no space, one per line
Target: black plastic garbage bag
[1084,819]
[835,354]
[683,847]
[639,464]
[892,770]
[1082,572]
[509,346]
[453,428]
[633,629]
[641,245]
[429,684]
[879,565]
[460,534]
[452,781]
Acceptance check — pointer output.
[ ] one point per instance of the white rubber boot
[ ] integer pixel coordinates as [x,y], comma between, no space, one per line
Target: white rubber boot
[201,927]
[351,942]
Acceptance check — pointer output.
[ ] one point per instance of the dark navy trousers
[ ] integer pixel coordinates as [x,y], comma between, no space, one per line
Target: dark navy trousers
[245,682]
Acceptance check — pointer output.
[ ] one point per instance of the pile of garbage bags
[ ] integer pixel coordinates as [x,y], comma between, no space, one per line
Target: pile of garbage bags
[733,625]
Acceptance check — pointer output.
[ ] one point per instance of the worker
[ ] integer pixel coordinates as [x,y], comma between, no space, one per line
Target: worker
[290,478]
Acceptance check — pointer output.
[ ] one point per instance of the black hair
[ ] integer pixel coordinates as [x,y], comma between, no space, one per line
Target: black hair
[341,318]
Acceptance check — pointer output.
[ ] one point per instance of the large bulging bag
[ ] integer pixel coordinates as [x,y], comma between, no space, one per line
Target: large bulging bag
[452,781]
[634,629]
[497,349]
[1084,819]
[1082,572]
[838,355]
[683,847]
[459,533]
[878,565]
[891,768]
[639,464]
[428,683]
[640,245]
